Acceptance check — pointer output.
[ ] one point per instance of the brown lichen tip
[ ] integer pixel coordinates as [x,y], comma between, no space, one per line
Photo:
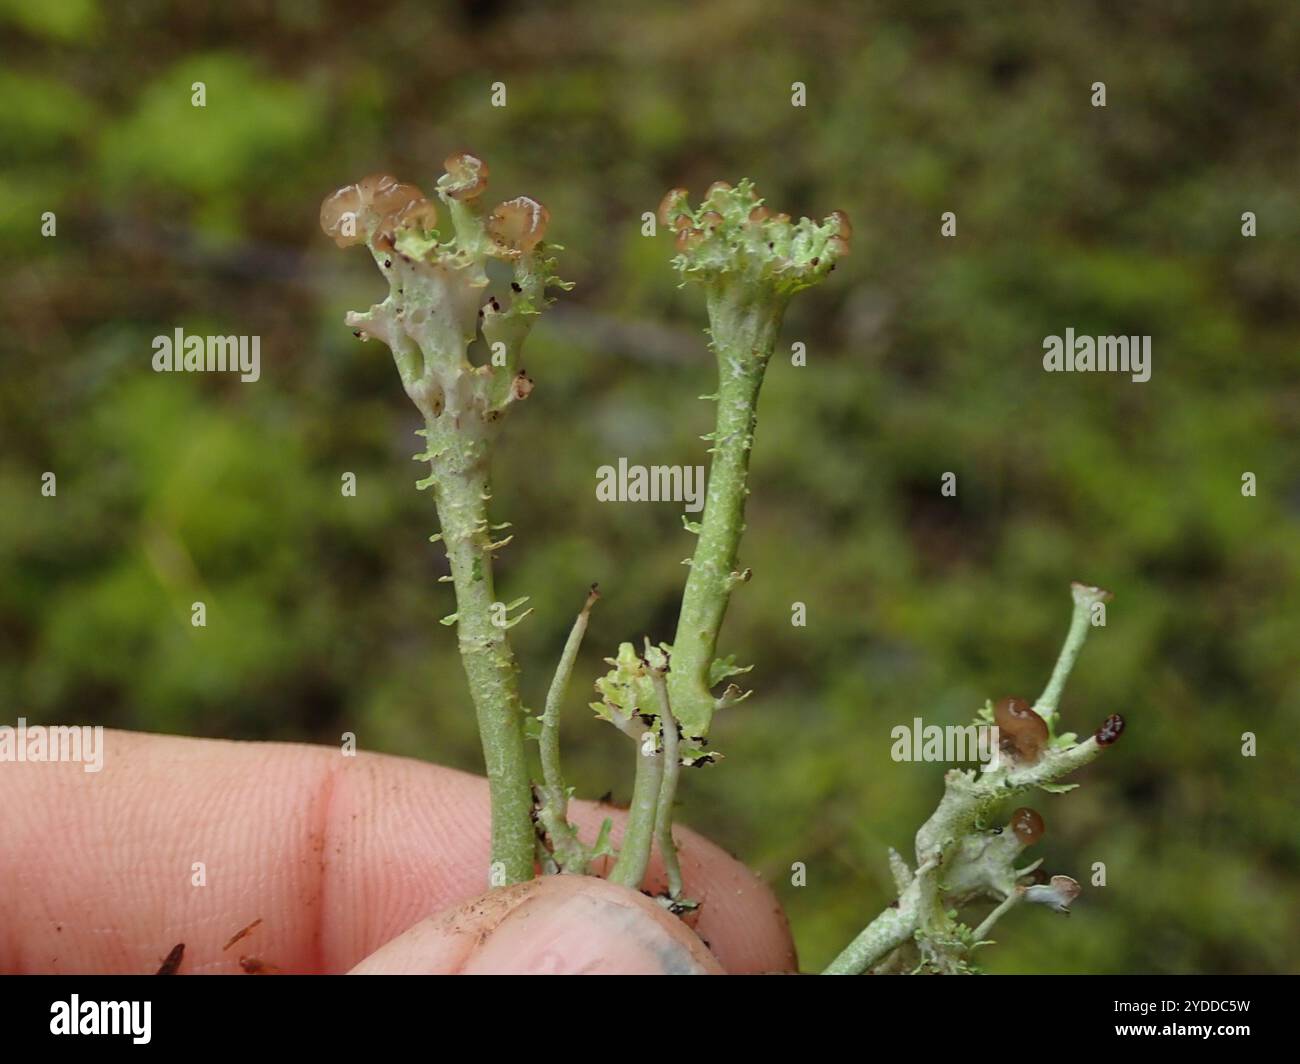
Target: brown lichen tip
[1027,825]
[385,195]
[466,177]
[338,216]
[689,238]
[1022,733]
[521,387]
[673,207]
[373,206]
[518,225]
[1058,895]
[420,216]
[1089,593]
[732,232]
[1111,729]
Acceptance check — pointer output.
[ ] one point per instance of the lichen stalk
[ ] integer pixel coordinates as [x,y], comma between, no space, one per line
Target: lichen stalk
[568,852]
[668,787]
[744,332]
[460,494]
[639,832]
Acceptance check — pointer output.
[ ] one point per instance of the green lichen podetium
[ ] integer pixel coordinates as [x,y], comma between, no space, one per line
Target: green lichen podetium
[749,262]
[437,302]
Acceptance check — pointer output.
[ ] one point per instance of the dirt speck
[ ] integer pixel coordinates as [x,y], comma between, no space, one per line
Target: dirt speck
[241,933]
[173,961]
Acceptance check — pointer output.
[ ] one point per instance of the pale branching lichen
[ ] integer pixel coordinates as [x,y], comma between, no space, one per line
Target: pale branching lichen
[439,301]
[960,859]
[749,262]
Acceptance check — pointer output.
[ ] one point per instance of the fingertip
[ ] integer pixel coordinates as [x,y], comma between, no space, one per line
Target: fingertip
[739,916]
[558,925]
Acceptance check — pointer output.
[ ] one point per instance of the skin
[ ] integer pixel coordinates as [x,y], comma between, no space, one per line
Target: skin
[369,864]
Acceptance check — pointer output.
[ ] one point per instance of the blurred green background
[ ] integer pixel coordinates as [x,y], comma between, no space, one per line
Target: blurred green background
[923,357]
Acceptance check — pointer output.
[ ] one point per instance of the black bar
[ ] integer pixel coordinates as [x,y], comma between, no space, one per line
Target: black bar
[332,1013]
